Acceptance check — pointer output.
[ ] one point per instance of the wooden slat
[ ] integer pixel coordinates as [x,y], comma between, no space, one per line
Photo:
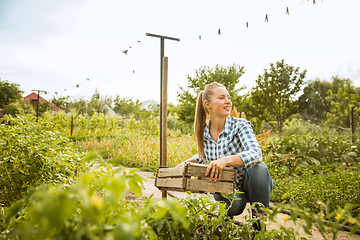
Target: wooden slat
[198,170]
[170,172]
[206,186]
[170,182]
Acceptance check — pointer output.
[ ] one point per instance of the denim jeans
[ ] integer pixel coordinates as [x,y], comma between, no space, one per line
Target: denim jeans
[256,187]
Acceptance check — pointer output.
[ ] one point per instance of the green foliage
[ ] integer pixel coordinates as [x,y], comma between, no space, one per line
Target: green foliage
[253,114]
[19,108]
[131,147]
[127,107]
[32,154]
[341,217]
[315,166]
[299,127]
[275,91]
[95,207]
[96,104]
[313,103]
[314,148]
[9,92]
[329,100]
[333,185]
[341,104]
[228,76]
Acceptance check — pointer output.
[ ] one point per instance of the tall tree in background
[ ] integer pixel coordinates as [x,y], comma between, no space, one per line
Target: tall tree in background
[275,92]
[64,103]
[313,104]
[98,104]
[9,92]
[341,104]
[228,76]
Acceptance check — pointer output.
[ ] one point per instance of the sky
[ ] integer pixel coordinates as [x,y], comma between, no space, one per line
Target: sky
[72,48]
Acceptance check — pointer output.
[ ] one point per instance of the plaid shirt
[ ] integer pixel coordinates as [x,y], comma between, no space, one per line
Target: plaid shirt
[238,138]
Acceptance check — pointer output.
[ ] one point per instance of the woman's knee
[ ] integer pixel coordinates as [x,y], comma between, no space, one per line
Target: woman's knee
[260,172]
[234,206]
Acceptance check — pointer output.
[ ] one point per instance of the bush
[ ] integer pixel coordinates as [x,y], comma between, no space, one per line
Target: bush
[313,148]
[32,154]
[332,185]
[95,207]
[298,127]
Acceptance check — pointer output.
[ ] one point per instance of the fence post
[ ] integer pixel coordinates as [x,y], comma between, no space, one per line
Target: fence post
[163,123]
[352,125]
[72,125]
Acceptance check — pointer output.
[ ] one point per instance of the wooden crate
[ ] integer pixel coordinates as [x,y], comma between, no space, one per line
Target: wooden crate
[191,177]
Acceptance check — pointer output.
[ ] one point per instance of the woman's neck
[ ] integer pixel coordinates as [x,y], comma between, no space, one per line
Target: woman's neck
[217,124]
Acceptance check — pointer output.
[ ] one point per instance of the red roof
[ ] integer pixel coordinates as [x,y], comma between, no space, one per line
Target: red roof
[33,100]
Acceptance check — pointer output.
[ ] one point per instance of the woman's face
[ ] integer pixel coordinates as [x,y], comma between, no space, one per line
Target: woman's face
[220,103]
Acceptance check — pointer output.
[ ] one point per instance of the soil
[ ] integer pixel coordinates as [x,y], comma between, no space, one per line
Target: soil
[150,189]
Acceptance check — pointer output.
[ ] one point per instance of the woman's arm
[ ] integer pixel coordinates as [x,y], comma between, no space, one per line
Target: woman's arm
[191,160]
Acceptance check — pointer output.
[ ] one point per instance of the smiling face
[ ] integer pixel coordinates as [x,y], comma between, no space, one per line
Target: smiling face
[220,103]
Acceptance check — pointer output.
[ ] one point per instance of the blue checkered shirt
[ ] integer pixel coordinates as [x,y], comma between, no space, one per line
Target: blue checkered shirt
[238,138]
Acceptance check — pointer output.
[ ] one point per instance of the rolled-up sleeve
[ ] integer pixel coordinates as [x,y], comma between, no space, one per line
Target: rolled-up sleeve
[196,157]
[251,152]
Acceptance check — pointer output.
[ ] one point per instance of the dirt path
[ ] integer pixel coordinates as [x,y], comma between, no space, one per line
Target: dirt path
[150,189]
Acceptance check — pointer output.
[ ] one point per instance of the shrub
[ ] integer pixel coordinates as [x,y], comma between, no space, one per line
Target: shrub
[31,154]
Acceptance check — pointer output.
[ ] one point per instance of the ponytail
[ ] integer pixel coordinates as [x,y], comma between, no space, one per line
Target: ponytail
[201,114]
[199,124]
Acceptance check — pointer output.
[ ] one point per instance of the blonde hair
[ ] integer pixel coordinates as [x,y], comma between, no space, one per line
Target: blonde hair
[201,115]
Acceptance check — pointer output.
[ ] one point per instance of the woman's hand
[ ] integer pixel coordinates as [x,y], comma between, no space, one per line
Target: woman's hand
[216,167]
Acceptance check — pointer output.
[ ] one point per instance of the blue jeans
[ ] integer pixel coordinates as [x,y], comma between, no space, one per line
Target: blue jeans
[256,187]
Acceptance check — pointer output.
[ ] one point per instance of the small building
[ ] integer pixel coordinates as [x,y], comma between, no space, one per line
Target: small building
[32,99]
[147,104]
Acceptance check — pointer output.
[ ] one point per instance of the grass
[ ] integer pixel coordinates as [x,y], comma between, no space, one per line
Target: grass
[132,148]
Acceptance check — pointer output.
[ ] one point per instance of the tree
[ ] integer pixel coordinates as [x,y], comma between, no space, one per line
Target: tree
[127,106]
[275,91]
[9,92]
[64,103]
[314,103]
[97,104]
[228,76]
[341,104]
[83,106]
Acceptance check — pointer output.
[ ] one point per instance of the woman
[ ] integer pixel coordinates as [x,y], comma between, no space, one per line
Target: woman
[225,141]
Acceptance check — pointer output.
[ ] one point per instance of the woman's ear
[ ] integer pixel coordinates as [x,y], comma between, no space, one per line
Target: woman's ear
[207,104]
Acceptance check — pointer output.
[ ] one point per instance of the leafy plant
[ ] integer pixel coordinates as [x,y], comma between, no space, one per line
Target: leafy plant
[275,91]
[95,207]
[32,154]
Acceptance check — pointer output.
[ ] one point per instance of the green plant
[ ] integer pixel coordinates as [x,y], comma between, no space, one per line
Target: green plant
[342,216]
[32,154]
[95,207]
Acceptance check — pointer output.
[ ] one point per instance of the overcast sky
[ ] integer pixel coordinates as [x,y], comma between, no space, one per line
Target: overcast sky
[55,45]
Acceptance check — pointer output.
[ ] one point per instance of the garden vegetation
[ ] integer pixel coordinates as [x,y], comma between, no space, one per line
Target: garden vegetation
[50,190]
